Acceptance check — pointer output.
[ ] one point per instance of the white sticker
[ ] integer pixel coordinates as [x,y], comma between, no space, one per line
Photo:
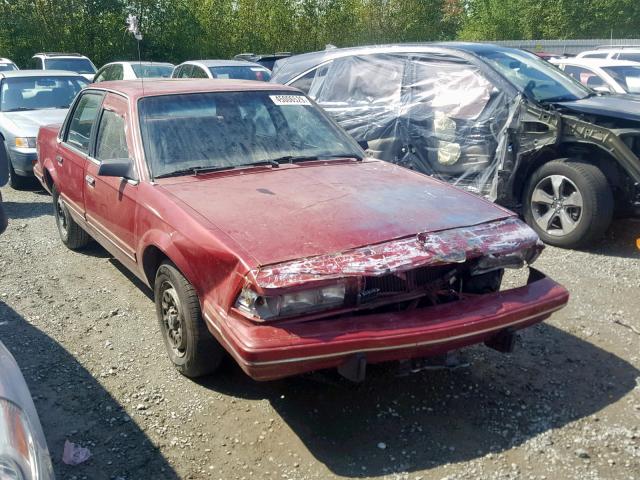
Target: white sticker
[289,100]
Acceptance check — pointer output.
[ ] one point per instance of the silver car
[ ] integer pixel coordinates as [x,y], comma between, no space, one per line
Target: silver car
[23,448]
[28,100]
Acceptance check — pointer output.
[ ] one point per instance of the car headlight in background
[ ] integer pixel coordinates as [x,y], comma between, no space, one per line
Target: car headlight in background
[301,302]
[20,457]
[26,142]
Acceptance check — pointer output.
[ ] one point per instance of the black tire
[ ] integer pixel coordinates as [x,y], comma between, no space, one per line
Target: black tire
[590,221]
[16,181]
[191,347]
[71,234]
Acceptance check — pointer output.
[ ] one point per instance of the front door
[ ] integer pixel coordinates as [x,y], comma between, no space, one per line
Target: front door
[110,201]
[71,155]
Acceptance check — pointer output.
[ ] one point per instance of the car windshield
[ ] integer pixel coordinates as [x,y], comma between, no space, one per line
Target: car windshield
[627,76]
[7,67]
[152,71]
[535,77]
[37,93]
[184,133]
[78,65]
[241,73]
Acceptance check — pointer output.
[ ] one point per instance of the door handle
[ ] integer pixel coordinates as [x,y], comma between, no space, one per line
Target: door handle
[59,159]
[90,180]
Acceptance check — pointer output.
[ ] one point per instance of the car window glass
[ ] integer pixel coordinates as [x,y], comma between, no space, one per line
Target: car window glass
[100,76]
[186,71]
[596,55]
[117,72]
[304,82]
[39,92]
[111,143]
[581,74]
[198,72]
[356,80]
[628,76]
[631,56]
[84,116]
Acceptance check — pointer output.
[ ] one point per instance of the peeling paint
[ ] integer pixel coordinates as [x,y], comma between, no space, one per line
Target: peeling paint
[429,248]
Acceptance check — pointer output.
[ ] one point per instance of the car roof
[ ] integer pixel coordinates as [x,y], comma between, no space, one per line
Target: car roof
[596,62]
[39,73]
[612,49]
[135,62]
[135,89]
[59,54]
[290,67]
[223,63]
[5,60]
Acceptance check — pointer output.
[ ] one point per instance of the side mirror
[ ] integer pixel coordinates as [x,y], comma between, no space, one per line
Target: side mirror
[118,167]
[364,144]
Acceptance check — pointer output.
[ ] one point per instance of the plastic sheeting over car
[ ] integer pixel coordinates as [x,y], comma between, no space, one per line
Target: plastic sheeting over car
[436,114]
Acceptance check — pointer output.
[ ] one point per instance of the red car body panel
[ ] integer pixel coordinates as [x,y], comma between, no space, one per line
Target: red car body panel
[280,228]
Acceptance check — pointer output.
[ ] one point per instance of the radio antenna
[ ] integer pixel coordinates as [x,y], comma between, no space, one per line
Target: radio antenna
[133,27]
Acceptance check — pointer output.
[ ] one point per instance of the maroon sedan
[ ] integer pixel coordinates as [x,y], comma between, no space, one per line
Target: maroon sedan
[263,231]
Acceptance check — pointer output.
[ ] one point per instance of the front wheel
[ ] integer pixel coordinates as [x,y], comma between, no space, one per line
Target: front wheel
[16,181]
[71,234]
[568,203]
[191,348]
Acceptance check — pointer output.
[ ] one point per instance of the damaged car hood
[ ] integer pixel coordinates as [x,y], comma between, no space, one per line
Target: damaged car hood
[306,210]
[626,107]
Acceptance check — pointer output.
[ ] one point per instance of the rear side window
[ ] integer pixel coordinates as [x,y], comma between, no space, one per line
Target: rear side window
[81,124]
[631,56]
[112,139]
[198,73]
[595,55]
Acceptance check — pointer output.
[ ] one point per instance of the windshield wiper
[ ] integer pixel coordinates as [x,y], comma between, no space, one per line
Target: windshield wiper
[215,168]
[310,158]
[19,109]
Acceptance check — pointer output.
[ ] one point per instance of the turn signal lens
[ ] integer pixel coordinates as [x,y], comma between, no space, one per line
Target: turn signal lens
[26,142]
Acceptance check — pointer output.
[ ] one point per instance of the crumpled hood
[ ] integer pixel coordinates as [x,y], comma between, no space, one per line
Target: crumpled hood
[625,107]
[27,124]
[300,211]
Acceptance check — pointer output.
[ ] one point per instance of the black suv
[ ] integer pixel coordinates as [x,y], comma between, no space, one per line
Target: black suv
[497,121]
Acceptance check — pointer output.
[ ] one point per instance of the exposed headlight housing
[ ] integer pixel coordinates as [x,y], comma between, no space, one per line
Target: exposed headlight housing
[300,302]
[21,457]
[26,142]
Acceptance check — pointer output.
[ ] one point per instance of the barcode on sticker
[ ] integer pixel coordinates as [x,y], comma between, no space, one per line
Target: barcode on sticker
[289,99]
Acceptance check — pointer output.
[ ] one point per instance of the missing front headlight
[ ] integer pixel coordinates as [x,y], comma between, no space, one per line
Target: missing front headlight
[300,302]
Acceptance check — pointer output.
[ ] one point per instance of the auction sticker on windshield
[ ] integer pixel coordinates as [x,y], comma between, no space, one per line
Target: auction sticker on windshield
[281,100]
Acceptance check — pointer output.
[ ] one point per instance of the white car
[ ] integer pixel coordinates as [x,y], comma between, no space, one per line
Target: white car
[133,71]
[613,53]
[71,62]
[227,69]
[601,74]
[7,65]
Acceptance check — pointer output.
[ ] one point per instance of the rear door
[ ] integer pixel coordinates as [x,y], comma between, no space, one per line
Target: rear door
[111,203]
[71,155]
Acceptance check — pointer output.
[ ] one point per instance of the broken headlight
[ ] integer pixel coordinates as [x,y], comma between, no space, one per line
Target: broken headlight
[301,302]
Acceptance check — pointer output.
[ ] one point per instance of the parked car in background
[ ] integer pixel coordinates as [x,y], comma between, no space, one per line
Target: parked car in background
[266,60]
[548,55]
[603,74]
[631,53]
[264,231]
[7,65]
[29,99]
[133,70]
[497,121]
[24,454]
[224,69]
[71,62]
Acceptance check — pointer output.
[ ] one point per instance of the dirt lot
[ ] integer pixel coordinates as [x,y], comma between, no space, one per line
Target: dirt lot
[565,404]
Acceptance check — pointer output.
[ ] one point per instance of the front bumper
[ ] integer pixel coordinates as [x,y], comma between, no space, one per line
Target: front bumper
[267,352]
[23,160]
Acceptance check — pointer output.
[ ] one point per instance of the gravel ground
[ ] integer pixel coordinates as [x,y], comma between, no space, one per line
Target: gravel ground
[565,404]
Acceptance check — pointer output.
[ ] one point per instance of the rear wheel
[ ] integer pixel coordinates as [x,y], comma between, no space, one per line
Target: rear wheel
[191,348]
[568,203]
[71,234]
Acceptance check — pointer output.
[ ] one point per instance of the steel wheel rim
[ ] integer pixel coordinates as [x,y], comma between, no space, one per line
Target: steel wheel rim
[173,319]
[62,217]
[557,205]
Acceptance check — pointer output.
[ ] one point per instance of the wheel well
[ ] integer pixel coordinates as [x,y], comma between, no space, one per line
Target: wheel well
[151,260]
[584,151]
[48,180]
